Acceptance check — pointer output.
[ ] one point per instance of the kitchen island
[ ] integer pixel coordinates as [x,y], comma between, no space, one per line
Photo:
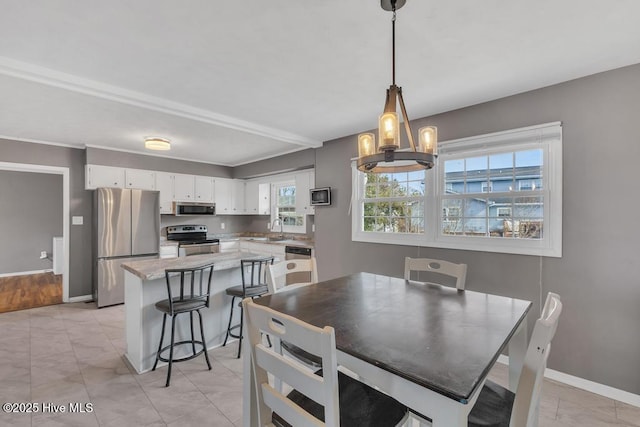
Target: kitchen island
[145,285]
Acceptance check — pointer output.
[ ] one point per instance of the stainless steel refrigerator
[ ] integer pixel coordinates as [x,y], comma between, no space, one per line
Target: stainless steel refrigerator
[126,227]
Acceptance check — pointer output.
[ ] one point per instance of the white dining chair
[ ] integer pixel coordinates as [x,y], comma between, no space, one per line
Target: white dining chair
[276,282]
[325,398]
[447,268]
[277,273]
[496,405]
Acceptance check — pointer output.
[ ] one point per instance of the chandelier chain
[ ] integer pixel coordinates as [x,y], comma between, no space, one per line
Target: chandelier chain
[393,42]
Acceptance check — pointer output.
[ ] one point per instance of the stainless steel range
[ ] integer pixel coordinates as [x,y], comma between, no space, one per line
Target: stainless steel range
[192,240]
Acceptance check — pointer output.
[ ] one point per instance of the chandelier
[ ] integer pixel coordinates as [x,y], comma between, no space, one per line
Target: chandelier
[388,157]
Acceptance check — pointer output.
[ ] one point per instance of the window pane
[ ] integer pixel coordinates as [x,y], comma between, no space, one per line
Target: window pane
[528,171]
[452,216]
[475,226]
[454,176]
[399,189]
[415,188]
[371,190]
[501,172]
[528,207]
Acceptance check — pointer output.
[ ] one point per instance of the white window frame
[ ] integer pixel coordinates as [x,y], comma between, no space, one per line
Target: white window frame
[547,137]
[274,208]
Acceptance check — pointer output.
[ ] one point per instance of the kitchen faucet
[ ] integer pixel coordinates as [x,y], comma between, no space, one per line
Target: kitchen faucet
[273,224]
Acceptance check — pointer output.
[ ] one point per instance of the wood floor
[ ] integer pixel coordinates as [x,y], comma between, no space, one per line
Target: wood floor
[30,291]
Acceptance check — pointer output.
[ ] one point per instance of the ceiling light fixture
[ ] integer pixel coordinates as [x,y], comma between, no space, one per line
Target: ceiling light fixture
[421,157]
[153,143]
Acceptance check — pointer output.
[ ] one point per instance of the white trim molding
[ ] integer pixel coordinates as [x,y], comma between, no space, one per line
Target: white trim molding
[64,171]
[81,298]
[590,386]
[49,77]
[25,273]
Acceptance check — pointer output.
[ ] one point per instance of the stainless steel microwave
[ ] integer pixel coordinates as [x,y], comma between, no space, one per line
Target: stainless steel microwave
[320,196]
[194,208]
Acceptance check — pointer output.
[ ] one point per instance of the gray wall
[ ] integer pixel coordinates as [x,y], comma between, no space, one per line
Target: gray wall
[30,216]
[232,223]
[598,276]
[79,202]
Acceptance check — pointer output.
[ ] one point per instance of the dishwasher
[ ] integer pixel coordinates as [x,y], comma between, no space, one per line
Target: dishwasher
[297,252]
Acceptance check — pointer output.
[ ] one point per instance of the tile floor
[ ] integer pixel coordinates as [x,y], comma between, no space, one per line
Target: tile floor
[73,353]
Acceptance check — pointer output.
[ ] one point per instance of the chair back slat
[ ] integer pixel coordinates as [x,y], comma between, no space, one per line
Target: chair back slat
[447,268]
[294,414]
[318,341]
[190,289]
[277,273]
[526,404]
[253,271]
[306,382]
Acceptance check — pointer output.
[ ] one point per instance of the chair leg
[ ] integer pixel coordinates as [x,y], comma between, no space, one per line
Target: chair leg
[233,300]
[204,343]
[240,334]
[193,339]
[164,322]
[173,333]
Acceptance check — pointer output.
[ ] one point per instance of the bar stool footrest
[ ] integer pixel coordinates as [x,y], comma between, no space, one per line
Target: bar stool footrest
[185,358]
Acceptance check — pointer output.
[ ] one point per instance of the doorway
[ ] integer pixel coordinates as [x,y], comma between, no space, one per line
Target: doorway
[35,209]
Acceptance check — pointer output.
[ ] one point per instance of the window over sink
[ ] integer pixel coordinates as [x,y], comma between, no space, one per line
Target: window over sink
[284,208]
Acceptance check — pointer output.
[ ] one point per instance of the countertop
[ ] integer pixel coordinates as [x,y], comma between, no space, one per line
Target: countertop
[154,268]
[303,243]
[265,240]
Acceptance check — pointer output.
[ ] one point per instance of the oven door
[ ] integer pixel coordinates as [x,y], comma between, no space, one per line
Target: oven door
[198,249]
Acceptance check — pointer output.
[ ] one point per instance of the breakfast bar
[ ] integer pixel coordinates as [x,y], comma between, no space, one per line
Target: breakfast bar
[145,285]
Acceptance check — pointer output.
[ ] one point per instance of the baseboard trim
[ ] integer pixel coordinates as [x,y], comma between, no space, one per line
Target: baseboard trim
[81,298]
[590,386]
[25,273]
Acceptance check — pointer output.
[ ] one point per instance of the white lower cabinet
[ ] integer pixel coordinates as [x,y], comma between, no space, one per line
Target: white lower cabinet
[230,246]
[263,249]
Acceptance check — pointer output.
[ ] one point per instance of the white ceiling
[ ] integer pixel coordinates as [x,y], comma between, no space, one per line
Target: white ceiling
[230,82]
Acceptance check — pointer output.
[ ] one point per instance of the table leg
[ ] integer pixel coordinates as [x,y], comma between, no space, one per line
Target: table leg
[517,351]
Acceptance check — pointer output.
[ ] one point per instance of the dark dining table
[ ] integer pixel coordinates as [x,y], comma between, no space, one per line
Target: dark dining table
[429,346]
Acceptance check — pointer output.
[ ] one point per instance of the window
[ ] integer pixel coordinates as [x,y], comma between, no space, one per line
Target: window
[499,192]
[284,208]
[503,212]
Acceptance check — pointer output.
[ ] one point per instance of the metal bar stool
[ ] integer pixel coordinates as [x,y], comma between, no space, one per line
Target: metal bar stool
[254,284]
[193,295]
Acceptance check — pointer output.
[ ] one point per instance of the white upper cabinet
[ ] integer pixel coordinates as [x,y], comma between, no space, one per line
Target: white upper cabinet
[103,176]
[184,188]
[229,196]
[237,196]
[140,179]
[304,182]
[222,191]
[164,184]
[256,197]
[204,189]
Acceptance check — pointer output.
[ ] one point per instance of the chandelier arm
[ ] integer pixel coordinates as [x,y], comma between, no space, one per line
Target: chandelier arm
[407,127]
